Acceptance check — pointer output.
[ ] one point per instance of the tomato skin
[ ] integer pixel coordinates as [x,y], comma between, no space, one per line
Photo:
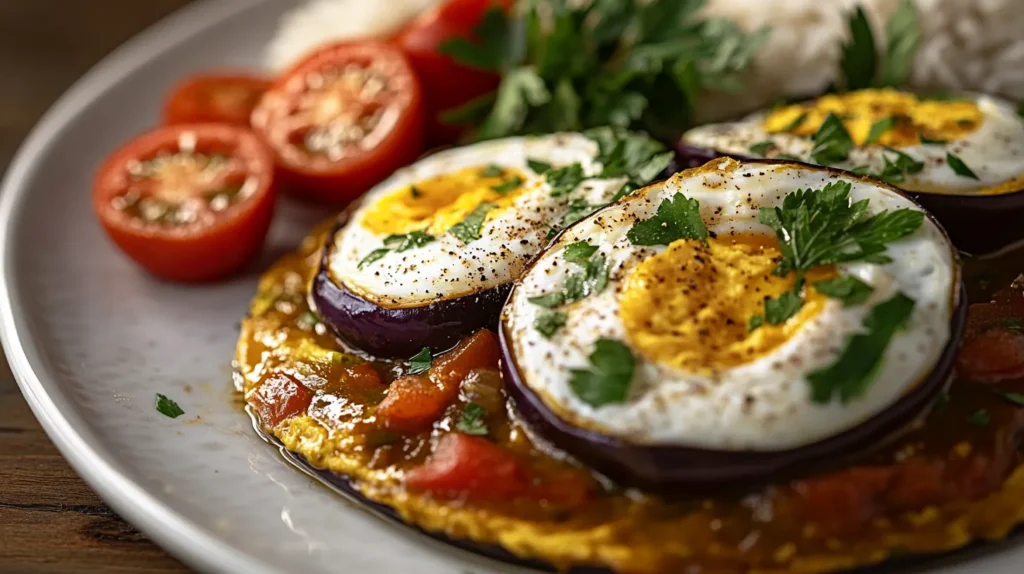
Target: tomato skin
[338,182]
[478,351]
[991,356]
[279,398]
[214,97]
[412,404]
[472,467]
[446,83]
[200,255]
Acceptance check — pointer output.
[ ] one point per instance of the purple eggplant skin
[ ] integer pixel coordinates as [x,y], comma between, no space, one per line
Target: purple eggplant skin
[663,468]
[399,332]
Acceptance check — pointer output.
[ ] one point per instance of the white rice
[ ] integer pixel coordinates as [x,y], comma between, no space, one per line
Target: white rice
[967,44]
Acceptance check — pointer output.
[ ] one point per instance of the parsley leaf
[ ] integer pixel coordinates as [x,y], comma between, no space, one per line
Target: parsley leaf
[635,156]
[408,241]
[578,209]
[933,141]
[579,285]
[832,143]
[499,43]
[579,251]
[372,257]
[896,171]
[676,218]
[420,362]
[799,121]
[608,377]
[980,418]
[565,179]
[903,35]
[878,128]
[468,230]
[415,193]
[777,311]
[168,407]
[492,170]
[755,323]
[548,323]
[762,148]
[859,61]
[848,289]
[473,421]
[959,167]
[538,167]
[520,90]
[508,185]
[1015,398]
[851,375]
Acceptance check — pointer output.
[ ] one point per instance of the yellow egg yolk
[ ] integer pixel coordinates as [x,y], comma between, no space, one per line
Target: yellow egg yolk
[434,205]
[690,306]
[913,118]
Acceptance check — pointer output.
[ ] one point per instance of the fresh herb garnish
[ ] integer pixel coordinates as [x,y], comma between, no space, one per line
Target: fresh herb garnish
[468,230]
[563,180]
[591,280]
[473,420]
[579,252]
[308,320]
[930,141]
[398,243]
[897,171]
[861,65]
[492,170]
[549,322]
[420,362]
[570,65]
[980,418]
[832,143]
[788,157]
[608,377]
[372,257]
[851,375]
[879,128]
[168,407]
[755,323]
[959,167]
[848,289]
[797,122]
[778,310]
[861,169]
[537,166]
[762,148]
[508,185]
[415,193]
[677,218]
[634,156]
[1015,398]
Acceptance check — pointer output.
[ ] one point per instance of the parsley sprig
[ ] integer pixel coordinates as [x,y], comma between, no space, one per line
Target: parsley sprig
[397,243]
[592,279]
[676,218]
[569,65]
[609,375]
[168,407]
[863,66]
[468,230]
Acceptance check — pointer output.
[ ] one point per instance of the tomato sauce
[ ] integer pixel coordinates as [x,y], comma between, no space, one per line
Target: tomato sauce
[441,448]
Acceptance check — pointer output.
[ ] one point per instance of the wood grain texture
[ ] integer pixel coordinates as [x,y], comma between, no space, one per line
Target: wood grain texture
[51,521]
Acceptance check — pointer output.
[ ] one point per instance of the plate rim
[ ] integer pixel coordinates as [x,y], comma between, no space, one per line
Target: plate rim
[192,544]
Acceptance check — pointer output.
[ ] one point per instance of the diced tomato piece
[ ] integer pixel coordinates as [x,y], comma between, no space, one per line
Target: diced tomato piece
[363,376]
[992,355]
[279,398]
[918,483]
[564,488]
[471,467]
[843,501]
[478,351]
[412,404]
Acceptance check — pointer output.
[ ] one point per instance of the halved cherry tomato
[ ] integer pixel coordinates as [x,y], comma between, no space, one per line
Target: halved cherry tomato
[279,398]
[228,98]
[343,119]
[470,466]
[189,202]
[446,83]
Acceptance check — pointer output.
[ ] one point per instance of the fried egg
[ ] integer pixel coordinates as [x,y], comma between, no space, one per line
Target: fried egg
[705,376]
[968,145]
[464,220]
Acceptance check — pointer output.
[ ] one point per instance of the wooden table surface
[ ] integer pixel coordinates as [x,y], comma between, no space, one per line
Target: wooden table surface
[51,521]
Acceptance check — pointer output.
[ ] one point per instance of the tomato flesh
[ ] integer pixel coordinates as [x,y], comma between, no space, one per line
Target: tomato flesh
[470,466]
[226,98]
[343,119]
[280,398]
[446,83]
[992,356]
[189,203]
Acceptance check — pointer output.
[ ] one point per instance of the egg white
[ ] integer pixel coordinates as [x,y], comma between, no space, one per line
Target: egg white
[447,268]
[763,405]
[993,151]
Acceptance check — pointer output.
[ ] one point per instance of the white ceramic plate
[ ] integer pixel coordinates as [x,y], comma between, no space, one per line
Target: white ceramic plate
[91,339]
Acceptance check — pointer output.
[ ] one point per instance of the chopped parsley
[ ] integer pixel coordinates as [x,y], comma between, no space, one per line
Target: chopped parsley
[563,180]
[788,157]
[508,185]
[848,289]
[634,156]
[778,310]
[577,209]
[1015,398]
[492,170]
[579,251]
[420,362]
[980,418]
[959,167]
[608,377]
[468,230]
[415,193]
[895,171]
[168,407]
[930,141]
[398,243]
[861,64]
[879,128]
[538,167]
[549,322]
[861,169]
[473,420]
[676,218]
[755,323]
[799,121]
[855,369]
[762,148]
[832,143]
